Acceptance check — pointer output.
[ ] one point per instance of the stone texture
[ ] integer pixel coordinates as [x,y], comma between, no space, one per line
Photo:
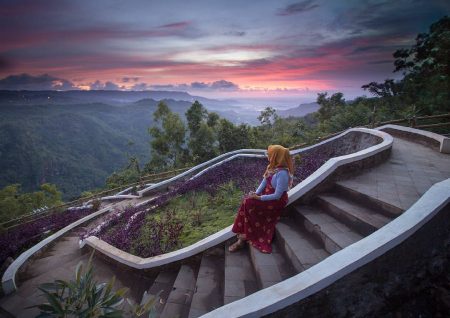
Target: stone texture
[300,248]
[333,234]
[411,280]
[405,177]
[359,217]
[239,280]
[270,268]
[180,297]
[208,293]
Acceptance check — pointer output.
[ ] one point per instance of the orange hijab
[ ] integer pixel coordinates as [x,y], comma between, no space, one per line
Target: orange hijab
[279,157]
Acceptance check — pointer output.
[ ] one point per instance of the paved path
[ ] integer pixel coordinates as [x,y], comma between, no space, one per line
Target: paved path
[409,172]
[59,262]
[400,181]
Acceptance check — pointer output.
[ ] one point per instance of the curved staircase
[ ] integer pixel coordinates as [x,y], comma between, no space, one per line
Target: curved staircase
[306,236]
[217,283]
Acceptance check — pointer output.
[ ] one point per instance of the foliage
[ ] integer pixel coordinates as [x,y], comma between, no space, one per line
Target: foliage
[168,136]
[23,236]
[426,69]
[75,147]
[268,116]
[192,209]
[96,204]
[84,297]
[231,137]
[202,135]
[195,115]
[199,215]
[130,174]
[13,203]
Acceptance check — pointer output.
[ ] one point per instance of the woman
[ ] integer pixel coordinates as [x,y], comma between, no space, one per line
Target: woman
[260,210]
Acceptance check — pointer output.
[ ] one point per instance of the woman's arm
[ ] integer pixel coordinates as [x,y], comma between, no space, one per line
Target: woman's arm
[261,187]
[281,186]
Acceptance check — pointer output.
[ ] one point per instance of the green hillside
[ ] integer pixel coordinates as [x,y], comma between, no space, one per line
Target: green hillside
[73,146]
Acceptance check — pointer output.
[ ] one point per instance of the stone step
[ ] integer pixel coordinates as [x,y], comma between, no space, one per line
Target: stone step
[163,285]
[362,198]
[300,247]
[50,263]
[240,280]
[180,296]
[208,293]
[333,234]
[270,268]
[359,217]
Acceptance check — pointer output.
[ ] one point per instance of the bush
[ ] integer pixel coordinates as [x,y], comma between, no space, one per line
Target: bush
[84,297]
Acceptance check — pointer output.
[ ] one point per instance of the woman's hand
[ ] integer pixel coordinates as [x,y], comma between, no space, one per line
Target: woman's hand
[253,195]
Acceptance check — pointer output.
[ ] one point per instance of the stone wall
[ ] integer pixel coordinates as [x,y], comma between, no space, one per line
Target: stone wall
[421,139]
[411,280]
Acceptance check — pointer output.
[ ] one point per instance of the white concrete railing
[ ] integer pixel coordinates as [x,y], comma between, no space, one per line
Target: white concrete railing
[443,141]
[172,180]
[303,187]
[9,277]
[341,263]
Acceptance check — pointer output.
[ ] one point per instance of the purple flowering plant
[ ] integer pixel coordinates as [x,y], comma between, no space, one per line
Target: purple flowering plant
[122,228]
[23,236]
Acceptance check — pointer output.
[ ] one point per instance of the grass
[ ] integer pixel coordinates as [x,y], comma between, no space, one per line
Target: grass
[199,213]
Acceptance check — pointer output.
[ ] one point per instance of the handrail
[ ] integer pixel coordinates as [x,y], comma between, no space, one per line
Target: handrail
[306,185]
[35,216]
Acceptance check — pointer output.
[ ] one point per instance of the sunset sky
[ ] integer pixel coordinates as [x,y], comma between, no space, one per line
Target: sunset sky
[221,49]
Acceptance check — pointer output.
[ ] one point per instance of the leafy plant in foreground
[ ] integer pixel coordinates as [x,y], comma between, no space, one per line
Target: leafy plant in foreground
[85,298]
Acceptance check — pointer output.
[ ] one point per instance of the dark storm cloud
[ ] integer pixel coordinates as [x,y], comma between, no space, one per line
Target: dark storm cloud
[399,17]
[220,85]
[5,64]
[30,82]
[235,33]
[298,7]
[224,85]
[177,25]
[107,86]
[199,85]
[130,79]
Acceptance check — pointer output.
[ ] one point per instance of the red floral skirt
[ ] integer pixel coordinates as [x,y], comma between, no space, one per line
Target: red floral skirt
[256,219]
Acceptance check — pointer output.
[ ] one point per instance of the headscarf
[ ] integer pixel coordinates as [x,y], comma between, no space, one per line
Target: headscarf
[279,157]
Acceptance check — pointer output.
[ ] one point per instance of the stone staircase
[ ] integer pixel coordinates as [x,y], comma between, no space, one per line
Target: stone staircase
[308,234]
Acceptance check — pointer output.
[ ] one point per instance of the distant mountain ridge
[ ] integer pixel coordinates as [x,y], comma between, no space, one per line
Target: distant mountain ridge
[76,139]
[299,111]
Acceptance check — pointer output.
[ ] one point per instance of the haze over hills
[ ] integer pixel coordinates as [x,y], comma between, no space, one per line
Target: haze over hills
[76,139]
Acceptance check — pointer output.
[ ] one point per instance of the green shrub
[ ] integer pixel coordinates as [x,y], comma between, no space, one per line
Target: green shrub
[85,298]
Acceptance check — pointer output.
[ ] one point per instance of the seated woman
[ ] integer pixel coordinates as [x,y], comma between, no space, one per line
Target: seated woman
[260,210]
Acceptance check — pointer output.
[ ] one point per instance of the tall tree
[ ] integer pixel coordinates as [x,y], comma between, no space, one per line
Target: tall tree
[231,137]
[268,116]
[329,105]
[168,137]
[426,70]
[195,115]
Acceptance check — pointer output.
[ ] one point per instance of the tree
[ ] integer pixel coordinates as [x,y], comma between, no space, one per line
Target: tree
[212,120]
[168,137]
[268,116]
[13,203]
[195,116]
[231,137]
[426,70]
[329,106]
[203,144]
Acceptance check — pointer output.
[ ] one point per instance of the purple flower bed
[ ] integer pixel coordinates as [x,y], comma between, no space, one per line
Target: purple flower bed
[22,237]
[122,228]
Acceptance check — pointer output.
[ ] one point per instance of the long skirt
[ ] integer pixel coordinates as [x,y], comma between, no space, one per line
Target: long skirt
[256,220]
